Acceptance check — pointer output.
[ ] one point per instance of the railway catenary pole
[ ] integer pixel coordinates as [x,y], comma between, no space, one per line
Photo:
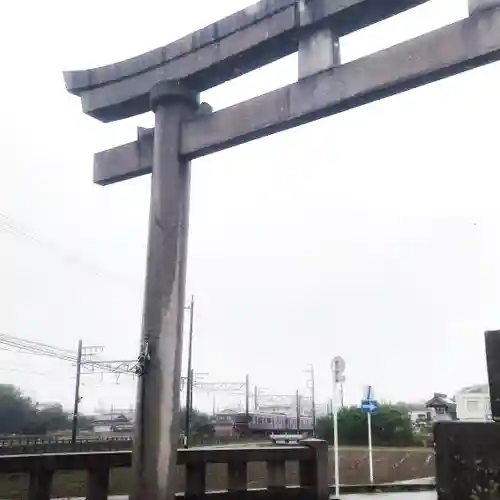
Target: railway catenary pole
[189,407]
[247,396]
[297,403]
[255,399]
[313,397]
[189,381]
[74,426]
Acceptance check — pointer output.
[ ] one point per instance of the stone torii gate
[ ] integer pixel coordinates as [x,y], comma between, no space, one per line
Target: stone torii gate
[168,81]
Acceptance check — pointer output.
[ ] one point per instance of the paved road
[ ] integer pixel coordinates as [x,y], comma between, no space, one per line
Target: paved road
[420,495]
[419,480]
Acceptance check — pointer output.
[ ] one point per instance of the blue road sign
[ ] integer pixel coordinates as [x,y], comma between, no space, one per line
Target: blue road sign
[369,406]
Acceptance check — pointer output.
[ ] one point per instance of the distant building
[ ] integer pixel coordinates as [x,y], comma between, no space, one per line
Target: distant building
[420,415]
[473,403]
[444,408]
[111,422]
[223,423]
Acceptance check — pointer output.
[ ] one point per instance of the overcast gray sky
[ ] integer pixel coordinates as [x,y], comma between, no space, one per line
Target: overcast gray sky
[373,234]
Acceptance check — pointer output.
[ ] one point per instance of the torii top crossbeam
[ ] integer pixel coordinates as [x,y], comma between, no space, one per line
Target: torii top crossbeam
[263,33]
[237,44]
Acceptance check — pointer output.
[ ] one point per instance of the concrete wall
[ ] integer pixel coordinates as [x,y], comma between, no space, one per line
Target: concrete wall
[473,406]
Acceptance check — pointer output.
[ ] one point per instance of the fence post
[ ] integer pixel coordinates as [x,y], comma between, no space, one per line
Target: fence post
[98,481]
[40,484]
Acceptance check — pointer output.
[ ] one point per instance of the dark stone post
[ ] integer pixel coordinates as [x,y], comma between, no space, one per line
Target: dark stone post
[467,457]
[157,426]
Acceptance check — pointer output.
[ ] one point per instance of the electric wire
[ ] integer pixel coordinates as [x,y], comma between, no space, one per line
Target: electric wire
[22,346]
[8,226]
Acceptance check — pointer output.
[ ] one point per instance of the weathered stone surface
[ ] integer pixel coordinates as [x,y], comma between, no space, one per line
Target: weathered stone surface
[467,460]
[260,34]
[88,78]
[124,162]
[318,52]
[479,5]
[492,341]
[128,96]
[156,430]
[347,16]
[461,46]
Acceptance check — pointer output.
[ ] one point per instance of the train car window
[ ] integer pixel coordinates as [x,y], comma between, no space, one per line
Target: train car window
[269,420]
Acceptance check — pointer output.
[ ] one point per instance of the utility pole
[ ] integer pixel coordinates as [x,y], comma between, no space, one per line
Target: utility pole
[189,408]
[313,398]
[189,381]
[255,399]
[74,427]
[297,403]
[338,368]
[247,396]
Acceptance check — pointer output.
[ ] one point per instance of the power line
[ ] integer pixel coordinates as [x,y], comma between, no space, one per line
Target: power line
[23,346]
[221,386]
[8,226]
[82,359]
[21,370]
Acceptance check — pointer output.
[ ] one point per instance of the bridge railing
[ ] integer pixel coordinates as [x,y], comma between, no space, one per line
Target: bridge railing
[32,446]
[312,458]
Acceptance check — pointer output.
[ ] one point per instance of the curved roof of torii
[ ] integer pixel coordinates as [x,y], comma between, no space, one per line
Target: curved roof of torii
[242,42]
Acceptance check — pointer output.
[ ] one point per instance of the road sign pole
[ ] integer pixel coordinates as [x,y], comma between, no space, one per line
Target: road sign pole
[369,405]
[336,447]
[370,448]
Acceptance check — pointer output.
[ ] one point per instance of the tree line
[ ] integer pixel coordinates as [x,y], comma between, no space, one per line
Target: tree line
[20,415]
[391,426]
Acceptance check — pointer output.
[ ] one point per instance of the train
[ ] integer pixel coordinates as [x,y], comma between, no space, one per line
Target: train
[260,424]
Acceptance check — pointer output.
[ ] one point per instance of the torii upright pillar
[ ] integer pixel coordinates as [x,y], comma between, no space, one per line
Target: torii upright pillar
[157,427]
